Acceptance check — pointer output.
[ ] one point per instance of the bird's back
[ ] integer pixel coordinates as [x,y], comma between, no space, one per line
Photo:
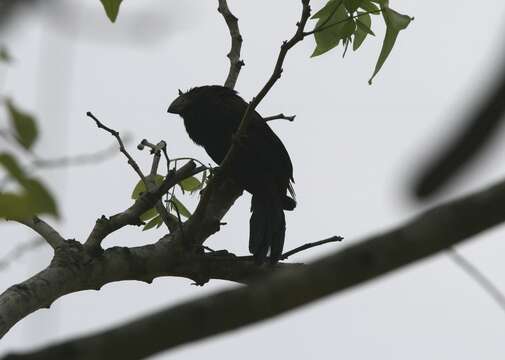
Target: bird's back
[263,165]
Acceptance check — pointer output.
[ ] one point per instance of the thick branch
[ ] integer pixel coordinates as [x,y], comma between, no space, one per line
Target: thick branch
[435,230]
[236,44]
[45,230]
[73,269]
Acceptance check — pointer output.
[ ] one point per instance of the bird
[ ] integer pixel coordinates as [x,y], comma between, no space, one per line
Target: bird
[212,115]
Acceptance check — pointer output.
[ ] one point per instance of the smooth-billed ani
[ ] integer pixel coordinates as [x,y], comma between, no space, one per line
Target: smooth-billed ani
[212,115]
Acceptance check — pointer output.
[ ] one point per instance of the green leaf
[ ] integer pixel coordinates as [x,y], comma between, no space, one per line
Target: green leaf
[334,28]
[111,8]
[156,221]
[42,202]
[24,125]
[140,188]
[33,199]
[395,22]
[149,214]
[352,5]
[327,10]
[10,164]
[183,211]
[362,30]
[370,7]
[190,184]
[14,206]
[4,55]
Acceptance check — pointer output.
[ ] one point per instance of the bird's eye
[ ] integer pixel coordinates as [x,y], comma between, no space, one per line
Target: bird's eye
[180,92]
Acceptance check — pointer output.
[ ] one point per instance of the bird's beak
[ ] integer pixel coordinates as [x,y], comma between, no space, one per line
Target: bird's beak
[173,108]
[177,106]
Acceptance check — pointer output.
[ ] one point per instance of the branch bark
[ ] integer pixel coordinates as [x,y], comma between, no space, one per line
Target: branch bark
[48,233]
[236,44]
[433,231]
[74,269]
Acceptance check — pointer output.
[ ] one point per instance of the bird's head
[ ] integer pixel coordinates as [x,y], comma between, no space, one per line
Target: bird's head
[181,104]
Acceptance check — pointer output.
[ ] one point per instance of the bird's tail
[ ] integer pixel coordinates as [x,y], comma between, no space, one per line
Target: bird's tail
[267,228]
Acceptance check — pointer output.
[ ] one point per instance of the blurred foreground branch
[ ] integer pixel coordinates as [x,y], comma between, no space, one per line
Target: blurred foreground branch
[477,132]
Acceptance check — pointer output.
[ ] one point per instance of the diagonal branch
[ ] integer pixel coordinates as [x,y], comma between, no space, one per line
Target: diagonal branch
[276,74]
[45,230]
[236,44]
[105,226]
[122,148]
[433,231]
[477,132]
[482,280]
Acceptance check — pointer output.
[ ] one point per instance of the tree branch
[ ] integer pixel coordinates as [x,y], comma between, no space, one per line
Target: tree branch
[481,279]
[122,148]
[169,220]
[310,245]
[236,44]
[276,74]
[280,116]
[74,269]
[82,159]
[476,133]
[105,226]
[433,231]
[47,232]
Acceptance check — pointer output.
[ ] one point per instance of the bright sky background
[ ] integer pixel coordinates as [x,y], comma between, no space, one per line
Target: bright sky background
[354,148]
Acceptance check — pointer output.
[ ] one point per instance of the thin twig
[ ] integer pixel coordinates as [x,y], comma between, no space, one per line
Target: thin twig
[280,116]
[19,251]
[190,159]
[122,148]
[81,159]
[310,245]
[236,43]
[276,74]
[169,220]
[482,280]
[45,230]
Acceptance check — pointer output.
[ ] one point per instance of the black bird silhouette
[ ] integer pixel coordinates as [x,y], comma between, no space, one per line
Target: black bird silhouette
[212,115]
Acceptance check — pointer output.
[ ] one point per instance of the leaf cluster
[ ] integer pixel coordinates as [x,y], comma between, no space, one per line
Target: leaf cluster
[32,197]
[350,22]
[177,208]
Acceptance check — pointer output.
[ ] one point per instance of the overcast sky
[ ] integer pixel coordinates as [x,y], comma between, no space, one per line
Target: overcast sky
[354,148]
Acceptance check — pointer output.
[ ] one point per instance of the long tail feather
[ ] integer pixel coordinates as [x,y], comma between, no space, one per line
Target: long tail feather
[267,229]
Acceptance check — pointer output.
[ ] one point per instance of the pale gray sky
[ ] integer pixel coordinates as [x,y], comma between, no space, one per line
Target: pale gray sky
[353,147]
